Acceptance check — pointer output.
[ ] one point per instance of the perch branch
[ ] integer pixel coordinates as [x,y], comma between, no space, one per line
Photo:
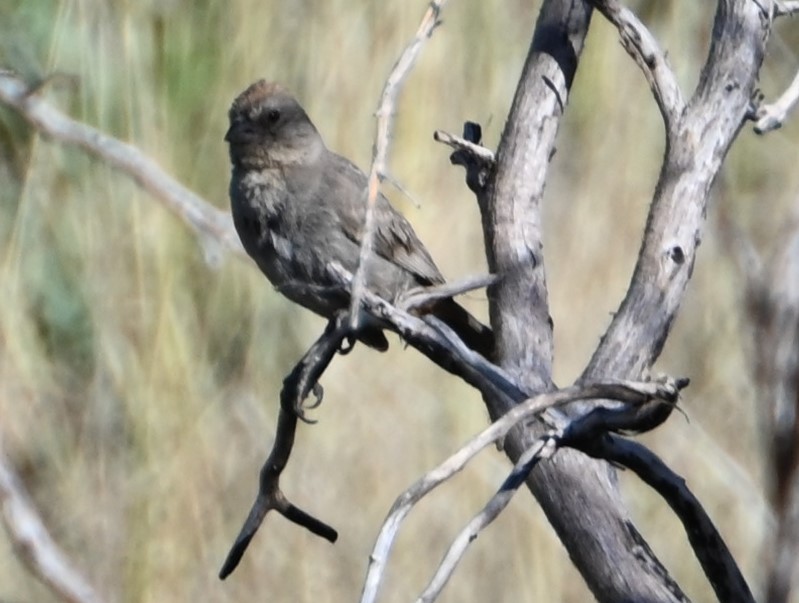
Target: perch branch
[641,45]
[301,382]
[428,337]
[450,353]
[385,114]
[34,545]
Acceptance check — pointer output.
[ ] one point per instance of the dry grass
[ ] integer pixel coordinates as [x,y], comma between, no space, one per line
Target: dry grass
[138,385]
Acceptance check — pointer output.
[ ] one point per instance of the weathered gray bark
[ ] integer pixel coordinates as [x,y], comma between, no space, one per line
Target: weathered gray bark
[579,495]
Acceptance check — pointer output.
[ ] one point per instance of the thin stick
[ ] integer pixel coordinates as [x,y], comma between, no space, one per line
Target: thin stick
[628,391]
[385,114]
[213,226]
[34,545]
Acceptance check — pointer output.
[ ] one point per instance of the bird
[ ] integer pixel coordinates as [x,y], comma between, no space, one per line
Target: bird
[298,206]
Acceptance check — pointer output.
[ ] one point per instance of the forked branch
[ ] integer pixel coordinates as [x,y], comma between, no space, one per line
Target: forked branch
[663,392]
[642,46]
[300,383]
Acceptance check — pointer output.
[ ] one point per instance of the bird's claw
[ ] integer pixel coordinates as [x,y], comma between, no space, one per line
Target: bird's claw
[301,406]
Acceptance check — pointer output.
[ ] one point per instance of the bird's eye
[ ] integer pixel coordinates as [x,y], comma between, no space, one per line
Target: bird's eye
[272,116]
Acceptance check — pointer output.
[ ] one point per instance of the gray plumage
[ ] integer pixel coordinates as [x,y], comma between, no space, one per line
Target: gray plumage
[297,206]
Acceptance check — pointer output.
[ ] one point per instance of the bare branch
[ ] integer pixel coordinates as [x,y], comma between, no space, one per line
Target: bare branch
[634,393]
[439,343]
[423,297]
[544,448]
[510,206]
[773,115]
[302,381]
[717,562]
[641,45]
[783,8]
[213,227]
[34,545]
[385,114]
[461,144]
[676,221]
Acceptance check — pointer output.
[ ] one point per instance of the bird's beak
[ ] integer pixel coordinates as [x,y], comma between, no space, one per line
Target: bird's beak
[239,133]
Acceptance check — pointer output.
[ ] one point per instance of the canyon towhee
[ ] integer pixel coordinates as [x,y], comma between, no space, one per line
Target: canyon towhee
[297,206]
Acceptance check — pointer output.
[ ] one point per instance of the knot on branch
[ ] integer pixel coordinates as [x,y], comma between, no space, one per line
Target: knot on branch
[478,160]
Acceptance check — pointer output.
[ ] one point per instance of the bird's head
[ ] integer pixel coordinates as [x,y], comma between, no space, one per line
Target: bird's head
[269,129]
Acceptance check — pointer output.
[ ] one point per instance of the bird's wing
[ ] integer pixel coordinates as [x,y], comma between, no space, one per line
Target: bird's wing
[394,237]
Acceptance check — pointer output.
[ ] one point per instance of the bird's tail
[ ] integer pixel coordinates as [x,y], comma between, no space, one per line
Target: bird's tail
[474,334]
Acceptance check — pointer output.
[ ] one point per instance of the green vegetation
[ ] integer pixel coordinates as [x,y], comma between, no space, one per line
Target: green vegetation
[138,385]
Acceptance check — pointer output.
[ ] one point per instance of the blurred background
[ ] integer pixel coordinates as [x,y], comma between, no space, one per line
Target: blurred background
[139,385]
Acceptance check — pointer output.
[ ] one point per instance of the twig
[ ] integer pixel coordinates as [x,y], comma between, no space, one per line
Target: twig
[641,45]
[773,115]
[422,297]
[478,161]
[630,392]
[783,8]
[399,186]
[213,227]
[34,545]
[296,388]
[461,144]
[544,448]
[385,113]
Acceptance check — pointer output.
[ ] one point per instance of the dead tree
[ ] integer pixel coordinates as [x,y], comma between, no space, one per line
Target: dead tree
[577,492]
[563,443]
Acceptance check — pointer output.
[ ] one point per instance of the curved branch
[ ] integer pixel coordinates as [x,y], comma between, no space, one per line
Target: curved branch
[641,45]
[302,381]
[632,393]
[34,545]
[213,226]
[676,220]
[715,558]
